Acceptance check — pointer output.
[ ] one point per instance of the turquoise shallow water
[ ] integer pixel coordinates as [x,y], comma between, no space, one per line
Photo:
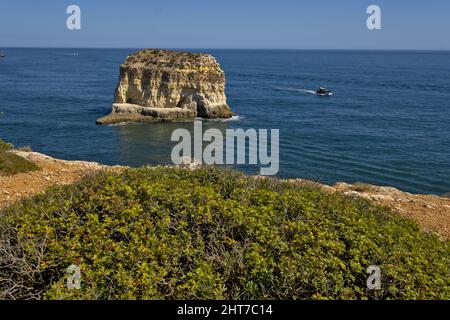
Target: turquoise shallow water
[388,122]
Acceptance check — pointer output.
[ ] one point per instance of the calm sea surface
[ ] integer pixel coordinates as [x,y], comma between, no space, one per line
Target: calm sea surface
[388,122]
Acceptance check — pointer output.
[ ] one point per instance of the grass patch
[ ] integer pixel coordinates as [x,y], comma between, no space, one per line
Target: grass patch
[11,164]
[172,233]
[363,187]
[4,146]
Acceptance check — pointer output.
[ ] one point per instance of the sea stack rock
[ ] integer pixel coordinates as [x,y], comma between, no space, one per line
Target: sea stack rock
[162,85]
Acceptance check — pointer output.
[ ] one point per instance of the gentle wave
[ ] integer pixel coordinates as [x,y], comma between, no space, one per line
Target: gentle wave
[119,124]
[233,118]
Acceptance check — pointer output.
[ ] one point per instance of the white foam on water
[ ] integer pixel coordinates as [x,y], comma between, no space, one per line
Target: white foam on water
[309,91]
[233,118]
[119,124]
[288,89]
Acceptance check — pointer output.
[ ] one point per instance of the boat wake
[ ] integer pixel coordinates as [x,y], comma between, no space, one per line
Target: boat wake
[307,91]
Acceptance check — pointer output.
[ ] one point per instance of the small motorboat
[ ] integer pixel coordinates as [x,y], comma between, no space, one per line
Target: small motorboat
[324,92]
[2,55]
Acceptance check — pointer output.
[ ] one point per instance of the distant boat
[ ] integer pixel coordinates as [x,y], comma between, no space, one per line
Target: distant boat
[2,55]
[324,92]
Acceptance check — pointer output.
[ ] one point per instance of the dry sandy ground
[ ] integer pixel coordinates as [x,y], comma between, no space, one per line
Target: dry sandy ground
[431,212]
[52,172]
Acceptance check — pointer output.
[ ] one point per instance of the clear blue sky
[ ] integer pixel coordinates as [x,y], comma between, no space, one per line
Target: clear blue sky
[292,24]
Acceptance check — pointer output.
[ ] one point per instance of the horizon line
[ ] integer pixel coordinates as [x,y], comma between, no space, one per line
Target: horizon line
[217,48]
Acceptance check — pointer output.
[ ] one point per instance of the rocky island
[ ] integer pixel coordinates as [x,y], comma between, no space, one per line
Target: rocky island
[162,85]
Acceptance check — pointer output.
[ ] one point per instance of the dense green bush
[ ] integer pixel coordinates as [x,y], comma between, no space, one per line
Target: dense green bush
[5,146]
[11,163]
[172,233]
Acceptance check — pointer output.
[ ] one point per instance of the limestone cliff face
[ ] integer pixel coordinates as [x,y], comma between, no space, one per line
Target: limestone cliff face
[162,85]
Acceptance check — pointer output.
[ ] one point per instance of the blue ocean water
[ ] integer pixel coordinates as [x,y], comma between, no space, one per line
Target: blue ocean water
[388,122]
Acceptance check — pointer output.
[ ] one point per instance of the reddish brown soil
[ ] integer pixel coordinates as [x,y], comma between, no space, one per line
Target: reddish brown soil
[52,172]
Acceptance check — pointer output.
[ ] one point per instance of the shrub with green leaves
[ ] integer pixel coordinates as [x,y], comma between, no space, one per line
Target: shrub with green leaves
[11,163]
[173,233]
[5,146]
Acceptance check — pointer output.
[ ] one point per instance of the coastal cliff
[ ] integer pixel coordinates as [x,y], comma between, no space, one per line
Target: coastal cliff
[208,223]
[162,85]
[431,212]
